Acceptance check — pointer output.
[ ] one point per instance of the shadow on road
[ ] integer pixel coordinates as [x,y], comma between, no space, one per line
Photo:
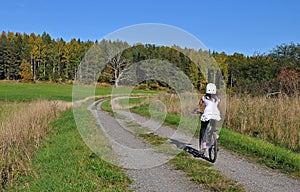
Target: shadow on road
[186,147]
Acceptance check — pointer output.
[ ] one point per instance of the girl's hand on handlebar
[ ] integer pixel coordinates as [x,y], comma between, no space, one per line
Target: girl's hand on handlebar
[195,111]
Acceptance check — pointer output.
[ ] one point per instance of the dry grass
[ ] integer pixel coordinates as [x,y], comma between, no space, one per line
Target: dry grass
[173,104]
[23,125]
[276,120]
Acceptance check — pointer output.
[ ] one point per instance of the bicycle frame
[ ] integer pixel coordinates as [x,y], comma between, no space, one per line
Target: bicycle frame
[210,138]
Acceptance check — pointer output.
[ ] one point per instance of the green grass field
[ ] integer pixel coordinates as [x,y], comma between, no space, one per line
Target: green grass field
[22,91]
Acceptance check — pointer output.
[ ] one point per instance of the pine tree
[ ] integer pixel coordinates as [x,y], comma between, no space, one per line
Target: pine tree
[3,56]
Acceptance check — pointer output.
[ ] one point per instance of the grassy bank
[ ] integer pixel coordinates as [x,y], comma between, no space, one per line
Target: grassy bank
[263,152]
[65,163]
[275,120]
[23,127]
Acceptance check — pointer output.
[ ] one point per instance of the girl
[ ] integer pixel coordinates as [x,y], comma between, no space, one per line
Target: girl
[211,112]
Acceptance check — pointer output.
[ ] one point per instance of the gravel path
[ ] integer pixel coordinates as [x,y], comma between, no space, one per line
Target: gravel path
[147,168]
[254,177]
[162,178]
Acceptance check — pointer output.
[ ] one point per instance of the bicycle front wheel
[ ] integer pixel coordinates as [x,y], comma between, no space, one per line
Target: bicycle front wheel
[213,152]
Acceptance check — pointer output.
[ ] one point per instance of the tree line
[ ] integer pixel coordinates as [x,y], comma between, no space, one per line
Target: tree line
[42,58]
[39,57]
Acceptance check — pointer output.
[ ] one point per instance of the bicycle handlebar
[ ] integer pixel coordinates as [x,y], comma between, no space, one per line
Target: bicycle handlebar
[197,112]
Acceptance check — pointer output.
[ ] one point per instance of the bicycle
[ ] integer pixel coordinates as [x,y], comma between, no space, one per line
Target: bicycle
[210,137]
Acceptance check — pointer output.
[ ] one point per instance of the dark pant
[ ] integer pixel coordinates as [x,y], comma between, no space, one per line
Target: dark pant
[204,126]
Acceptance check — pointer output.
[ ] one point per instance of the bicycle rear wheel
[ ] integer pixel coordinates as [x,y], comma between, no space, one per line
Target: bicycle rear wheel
[213,152]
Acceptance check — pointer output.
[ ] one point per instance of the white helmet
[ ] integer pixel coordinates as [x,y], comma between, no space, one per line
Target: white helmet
[211,88]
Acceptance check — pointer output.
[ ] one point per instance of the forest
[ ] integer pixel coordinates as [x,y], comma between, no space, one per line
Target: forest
[34,58]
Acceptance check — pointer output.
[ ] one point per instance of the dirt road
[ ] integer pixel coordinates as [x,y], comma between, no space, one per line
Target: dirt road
[149,171]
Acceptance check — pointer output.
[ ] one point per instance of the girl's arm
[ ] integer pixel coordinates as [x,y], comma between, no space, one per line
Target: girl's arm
[200,104]
[198,107]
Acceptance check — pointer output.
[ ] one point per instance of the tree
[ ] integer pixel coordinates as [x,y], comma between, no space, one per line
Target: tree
[287,56]
[14,62]
[112,53]
[288,81]
[3,56]
[221,59]
[55,58]
[26,71]
[9,57]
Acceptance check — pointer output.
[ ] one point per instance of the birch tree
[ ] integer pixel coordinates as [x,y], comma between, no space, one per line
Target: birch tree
[112,52]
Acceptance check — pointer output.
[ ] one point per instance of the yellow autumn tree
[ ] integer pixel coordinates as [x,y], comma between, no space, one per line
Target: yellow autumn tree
[26,71]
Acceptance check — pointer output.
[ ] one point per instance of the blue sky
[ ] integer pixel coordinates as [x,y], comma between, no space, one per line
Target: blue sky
[248,27]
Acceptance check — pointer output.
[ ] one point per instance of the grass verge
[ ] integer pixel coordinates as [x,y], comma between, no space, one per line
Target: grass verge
[202,173]
[153,139]
[187,123]
[131,101]
[23,127]
[106,107]
[65,163]
[263,152]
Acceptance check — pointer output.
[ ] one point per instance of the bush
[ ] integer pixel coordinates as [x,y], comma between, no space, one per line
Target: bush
[142,86]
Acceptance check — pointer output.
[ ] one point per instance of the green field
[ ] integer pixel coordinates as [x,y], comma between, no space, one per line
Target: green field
[22,91]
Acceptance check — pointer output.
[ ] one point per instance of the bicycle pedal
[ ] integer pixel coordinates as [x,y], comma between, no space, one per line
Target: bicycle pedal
[202,151]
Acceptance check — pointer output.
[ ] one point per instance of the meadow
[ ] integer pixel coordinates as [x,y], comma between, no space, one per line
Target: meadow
[25,92]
